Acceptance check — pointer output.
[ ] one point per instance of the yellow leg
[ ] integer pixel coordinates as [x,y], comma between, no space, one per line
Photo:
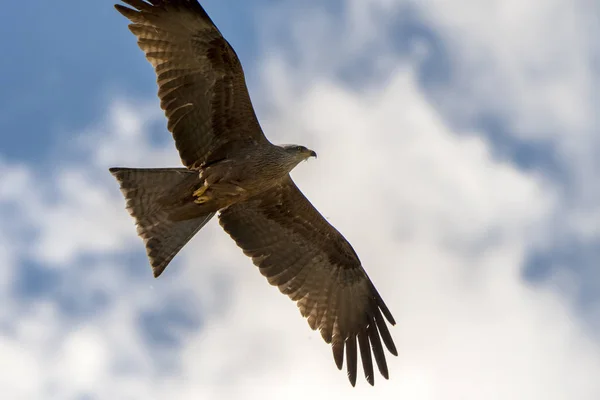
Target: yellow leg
[200,190]
[200,199]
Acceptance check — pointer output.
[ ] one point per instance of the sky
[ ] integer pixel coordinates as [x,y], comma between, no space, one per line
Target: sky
[458,148]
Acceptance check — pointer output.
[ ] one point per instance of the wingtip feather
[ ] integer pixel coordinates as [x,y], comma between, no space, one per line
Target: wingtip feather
[377,349]
[338,353]
[365,355]
[351,359]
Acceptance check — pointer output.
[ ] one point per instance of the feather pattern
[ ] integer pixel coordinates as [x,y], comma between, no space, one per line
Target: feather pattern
[201,82]
[202,90]
[296,249]
[145,191]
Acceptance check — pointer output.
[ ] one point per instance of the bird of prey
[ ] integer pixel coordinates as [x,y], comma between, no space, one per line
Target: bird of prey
[231,168]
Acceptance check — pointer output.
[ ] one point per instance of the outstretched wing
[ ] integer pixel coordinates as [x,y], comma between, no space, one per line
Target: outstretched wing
[200,79]
[311,262]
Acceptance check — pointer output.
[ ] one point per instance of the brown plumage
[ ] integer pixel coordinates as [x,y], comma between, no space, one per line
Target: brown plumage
[232,168]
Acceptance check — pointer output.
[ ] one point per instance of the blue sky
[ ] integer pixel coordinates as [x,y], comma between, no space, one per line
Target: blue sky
[61,55]
[473,203]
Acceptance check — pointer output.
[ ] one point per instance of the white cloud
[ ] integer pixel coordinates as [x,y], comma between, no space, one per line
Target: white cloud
[529,62]
[533,66]
[442,227]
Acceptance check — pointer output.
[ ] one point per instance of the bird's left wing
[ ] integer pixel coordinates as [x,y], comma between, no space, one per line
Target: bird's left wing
[201,83]
[297,250]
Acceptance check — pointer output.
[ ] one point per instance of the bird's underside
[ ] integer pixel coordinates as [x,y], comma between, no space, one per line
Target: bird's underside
[231,168]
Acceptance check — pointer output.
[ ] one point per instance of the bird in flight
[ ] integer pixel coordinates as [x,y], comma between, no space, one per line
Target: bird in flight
[231,168]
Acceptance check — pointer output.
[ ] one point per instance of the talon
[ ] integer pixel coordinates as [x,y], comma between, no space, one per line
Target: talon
[201,199]
[200,191]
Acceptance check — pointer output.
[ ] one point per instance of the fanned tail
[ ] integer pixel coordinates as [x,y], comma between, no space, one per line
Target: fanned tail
[154,197]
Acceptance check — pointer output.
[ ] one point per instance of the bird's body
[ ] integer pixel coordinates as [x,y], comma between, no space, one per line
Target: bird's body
[231,168]
[264,167]
[222,183]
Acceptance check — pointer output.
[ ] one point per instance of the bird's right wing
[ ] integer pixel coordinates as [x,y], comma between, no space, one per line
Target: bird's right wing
[311,262]
[200,78]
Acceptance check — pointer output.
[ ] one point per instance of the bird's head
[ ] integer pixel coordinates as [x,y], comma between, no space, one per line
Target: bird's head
[299,152]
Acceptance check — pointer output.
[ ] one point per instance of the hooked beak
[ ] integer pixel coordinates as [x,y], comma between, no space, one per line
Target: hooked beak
[312,154]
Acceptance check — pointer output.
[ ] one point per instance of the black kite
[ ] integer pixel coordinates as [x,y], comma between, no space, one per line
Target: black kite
[232,168]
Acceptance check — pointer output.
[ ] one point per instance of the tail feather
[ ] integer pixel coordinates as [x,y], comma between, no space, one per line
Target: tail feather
[147,192]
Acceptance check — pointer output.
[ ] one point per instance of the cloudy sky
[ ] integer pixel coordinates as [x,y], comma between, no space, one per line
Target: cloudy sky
[459,150]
